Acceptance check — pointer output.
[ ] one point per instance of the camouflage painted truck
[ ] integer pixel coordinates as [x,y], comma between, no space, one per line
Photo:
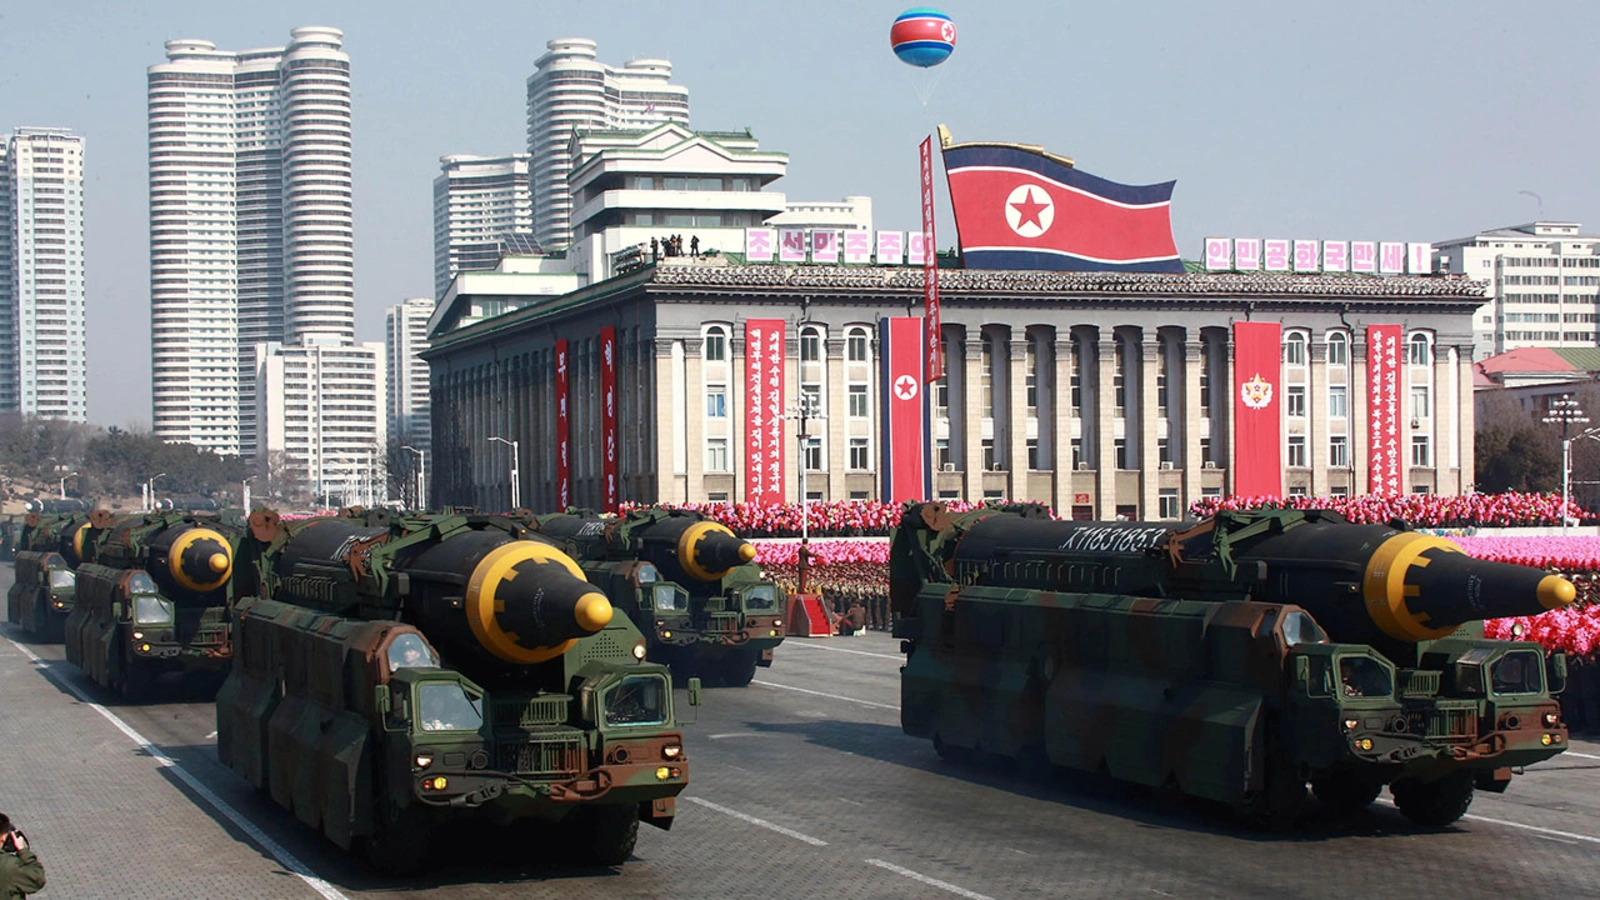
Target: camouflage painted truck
[152,597]
[41,594]
[399,680]
[1234,660]
[688,583]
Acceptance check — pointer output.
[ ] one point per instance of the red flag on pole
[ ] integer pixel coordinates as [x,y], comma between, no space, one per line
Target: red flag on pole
[934,359]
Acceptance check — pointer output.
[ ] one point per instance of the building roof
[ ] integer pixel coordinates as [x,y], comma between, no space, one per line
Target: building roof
[1526,359]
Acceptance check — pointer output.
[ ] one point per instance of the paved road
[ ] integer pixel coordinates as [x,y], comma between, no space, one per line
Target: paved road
[802,786]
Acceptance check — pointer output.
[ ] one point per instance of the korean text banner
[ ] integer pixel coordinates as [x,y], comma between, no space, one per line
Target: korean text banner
[608,414]
[1384,472]
[1257,435]
[763,411]
[905,441]
[563,430]
[932,351]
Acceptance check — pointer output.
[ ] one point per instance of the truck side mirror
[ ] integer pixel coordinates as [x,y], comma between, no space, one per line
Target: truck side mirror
[694,692]
[1555,668]
[380,699]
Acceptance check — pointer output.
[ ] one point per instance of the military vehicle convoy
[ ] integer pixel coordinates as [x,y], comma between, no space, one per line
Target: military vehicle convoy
[688,584]
[1233,660]
[41,594]
[395,679]
[152,597]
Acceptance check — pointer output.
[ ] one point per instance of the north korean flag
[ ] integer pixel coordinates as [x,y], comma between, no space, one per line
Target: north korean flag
[1017,208]
[905,439]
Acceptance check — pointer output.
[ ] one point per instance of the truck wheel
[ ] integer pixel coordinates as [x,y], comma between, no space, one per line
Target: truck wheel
[1344,791]
[739,668]
[613,832]
[1437,804]
[397,848]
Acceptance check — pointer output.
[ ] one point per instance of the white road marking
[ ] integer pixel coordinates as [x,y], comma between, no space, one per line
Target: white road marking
[931,882]
[212,736]
[738,734]
[894,656]
[1578,755]
[786,687]
[278,851]
[1536,829]
[771,826]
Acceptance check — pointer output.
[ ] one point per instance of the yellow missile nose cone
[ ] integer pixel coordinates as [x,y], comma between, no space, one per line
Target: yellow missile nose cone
[1556,592]
[593,611]
[747,551]
[218,562]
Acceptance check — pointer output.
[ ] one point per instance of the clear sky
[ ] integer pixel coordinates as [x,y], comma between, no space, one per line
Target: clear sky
[1414,121]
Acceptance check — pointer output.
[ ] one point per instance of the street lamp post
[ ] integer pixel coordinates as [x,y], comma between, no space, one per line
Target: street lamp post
[64,484]
[244,489]
[1564,411]
[804,409]
[516,480]
[422,476]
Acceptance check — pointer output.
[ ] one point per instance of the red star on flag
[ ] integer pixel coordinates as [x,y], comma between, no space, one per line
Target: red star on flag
[1029,210]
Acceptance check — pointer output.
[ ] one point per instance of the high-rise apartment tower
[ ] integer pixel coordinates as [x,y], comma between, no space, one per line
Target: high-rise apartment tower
[478,203]
[572,89]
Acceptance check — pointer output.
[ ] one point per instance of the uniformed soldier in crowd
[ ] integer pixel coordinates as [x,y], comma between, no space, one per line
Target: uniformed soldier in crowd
[21,873]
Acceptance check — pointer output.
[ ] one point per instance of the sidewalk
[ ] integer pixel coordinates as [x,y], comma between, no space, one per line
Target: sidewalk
[106,817]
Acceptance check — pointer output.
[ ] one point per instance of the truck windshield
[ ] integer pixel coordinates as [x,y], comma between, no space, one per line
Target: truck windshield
[448,707]
[150,609]
[1518,672]
[668,598]
[762,598]
[63,578]
[637,700]
[1363,677]
[408,651]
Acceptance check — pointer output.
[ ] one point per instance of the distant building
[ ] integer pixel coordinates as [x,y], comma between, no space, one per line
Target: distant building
[1544,285]
[321,406]
[849,214]
[571,89]
[251,223]
[43,354]
[478,202]
[629,187]
[405,331]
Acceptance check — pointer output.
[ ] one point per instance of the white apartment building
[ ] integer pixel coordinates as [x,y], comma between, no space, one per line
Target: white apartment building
[251,226]
[1544,285]
[571,89]
[405,332]
[43,358]
[853,213]
[704,187]
[321,406]
[478,202]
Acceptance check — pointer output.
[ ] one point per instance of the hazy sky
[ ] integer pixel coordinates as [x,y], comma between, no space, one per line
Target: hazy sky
[1410,121]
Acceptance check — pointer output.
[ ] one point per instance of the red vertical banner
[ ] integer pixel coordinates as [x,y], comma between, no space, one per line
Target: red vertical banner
[563,430]
[763,411]
[608,414]
[1383,410]
[907,473]
[932,348]
[1257,431]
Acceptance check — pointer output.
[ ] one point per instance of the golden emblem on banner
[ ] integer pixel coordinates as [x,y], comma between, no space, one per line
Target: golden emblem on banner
[1256,393]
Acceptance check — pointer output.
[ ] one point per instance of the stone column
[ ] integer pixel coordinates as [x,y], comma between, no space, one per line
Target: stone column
[1359,425]
[1017,414]
[1317,428]
[834,431]
[972,414]
[1461,418]
[1061,449]
[1105,403]
[738,421]
[1191,461]
[670,483]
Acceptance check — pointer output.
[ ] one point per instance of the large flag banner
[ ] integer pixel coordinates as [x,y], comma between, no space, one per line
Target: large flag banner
[906,472]
[1021,208]
[563,430]
[1383,410]
[763,411]
[608,414]
[930,272]
[1257,435]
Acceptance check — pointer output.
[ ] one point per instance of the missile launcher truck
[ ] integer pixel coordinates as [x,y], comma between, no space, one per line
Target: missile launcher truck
[688,584]
[152,597]
[1234,660]
[400,678]
[42,593]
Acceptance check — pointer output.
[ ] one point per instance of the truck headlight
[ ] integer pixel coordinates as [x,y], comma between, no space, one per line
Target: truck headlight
[638,651]
[423,760]
[1550,719]
[672,751]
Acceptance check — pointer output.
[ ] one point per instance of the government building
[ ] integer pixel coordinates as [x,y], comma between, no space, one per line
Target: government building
[1103,394]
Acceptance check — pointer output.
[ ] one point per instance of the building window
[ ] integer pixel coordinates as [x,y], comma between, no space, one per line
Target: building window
[1077,452]
[1033,454]
[1338,401]
[1295,401]
[986,378]
[856,346]
[941,399]
[1205,383]
[1421,451]
[1421,407]
[1119,384]
[1339,451]
[858,454]
[717,455]
[1419,350]
[1163,450]
[1338,349]
[810,345]
[1075,379]
[1030,376]
[1121,447]
[1297,451]
[717,402]
[858,401]
[1161,382]
[1294,349]
[988,453]
[716,349]
[1167,503]
[813,453]
[941,454]
[1338,490]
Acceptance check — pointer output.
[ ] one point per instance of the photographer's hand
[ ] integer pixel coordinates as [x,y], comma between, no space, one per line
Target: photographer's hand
[21,841]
